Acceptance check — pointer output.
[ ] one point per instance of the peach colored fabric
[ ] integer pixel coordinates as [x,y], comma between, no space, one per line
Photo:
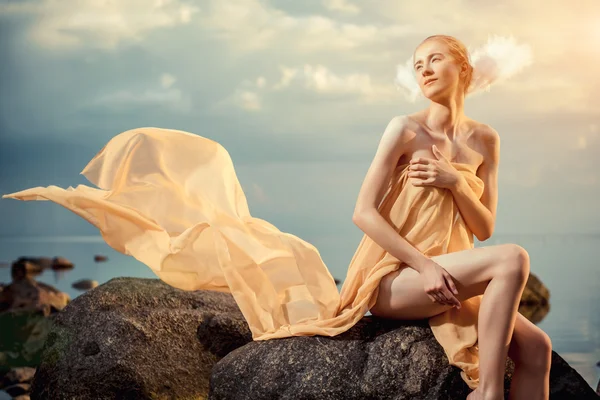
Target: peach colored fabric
[172,200]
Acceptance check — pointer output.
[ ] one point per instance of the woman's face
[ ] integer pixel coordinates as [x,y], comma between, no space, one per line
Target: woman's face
[434,63]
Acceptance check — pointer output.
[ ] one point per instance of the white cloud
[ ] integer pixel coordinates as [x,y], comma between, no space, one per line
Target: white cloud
[341,5]
[287,75]
[167,80]
[316,79]
[248,100]
[258,194]
[261,82]
[244,99]
[99,23]
[320,79]
[164,96]
[251,25]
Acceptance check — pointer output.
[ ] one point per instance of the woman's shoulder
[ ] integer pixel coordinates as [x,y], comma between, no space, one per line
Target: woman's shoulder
[480,130]
[485,132]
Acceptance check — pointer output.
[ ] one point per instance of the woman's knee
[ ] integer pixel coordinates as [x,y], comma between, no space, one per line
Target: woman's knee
[538,357]
[517,262]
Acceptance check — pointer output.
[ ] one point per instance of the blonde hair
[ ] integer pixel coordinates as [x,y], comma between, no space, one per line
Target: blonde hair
[460,53]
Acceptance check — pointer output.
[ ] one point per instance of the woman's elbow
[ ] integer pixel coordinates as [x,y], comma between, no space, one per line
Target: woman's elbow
[483,238]
[359,216]
[356,218]
[485,235]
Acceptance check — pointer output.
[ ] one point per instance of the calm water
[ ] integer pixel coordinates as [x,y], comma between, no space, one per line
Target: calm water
[567,264]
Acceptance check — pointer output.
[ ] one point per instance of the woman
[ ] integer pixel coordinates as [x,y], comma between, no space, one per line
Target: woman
[172,200]
[425,287]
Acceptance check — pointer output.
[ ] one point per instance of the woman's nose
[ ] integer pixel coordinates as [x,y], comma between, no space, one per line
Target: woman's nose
[426,69]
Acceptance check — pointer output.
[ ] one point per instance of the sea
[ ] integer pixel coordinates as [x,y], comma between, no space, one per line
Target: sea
[568,264]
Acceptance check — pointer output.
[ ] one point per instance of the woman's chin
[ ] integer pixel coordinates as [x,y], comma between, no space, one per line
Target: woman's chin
[435,94]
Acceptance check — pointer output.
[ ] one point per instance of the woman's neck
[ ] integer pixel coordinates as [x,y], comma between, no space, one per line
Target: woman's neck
[446,118]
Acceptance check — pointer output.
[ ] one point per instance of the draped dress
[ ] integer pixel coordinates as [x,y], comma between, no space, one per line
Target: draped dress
[172,200]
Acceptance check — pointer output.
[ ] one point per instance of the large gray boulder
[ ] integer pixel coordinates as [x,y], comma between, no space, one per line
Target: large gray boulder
[142,339]
[137,339]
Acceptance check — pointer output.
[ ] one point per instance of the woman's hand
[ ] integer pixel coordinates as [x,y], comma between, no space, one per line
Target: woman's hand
[430,172]
[438,284]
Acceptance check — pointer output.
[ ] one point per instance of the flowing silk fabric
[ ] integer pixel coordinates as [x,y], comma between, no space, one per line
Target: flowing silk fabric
[172,200]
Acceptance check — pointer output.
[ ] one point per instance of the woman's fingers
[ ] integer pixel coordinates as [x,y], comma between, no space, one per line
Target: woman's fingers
[451,284]
[444,296]
[435,297]
[452,288]
[440,298]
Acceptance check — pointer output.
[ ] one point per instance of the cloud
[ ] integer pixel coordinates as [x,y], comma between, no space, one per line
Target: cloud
[251,25]
[312,79]
[257,193]
[341,5]
[104,24]
[163,96]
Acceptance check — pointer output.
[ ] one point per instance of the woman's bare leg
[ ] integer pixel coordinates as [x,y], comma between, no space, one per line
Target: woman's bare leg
[497,313]
[498,272]
[531,351]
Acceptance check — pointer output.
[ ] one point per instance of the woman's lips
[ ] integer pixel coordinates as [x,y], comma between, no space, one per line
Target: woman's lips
[431,81]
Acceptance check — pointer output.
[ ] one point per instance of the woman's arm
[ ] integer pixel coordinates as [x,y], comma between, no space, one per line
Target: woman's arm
[480,214]
[392,146]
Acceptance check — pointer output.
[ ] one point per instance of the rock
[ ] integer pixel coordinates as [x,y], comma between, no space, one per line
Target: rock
[61,263]
[138,338]
[141,338]
[41,262]
[22,339]
[17,375]
[22,269]
[85,284]
[99,258]
[535,292]
[28,294]
[535,301]
[376,359]
[18,389]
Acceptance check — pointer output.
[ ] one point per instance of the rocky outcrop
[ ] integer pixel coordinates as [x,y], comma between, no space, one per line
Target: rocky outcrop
[535,300]
[25,293]
[84,284]
[140,338]
[16,383]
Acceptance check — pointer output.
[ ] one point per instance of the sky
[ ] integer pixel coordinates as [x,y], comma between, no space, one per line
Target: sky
[299,93]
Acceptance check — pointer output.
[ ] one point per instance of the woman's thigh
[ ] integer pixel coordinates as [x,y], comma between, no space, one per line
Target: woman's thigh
[402,294]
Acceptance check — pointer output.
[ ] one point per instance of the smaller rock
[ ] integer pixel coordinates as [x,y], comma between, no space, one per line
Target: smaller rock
[99,258]
[22,269]
[85,284]
[18,389]
[61,263]
[41,262]
[17,375]
[27,293]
